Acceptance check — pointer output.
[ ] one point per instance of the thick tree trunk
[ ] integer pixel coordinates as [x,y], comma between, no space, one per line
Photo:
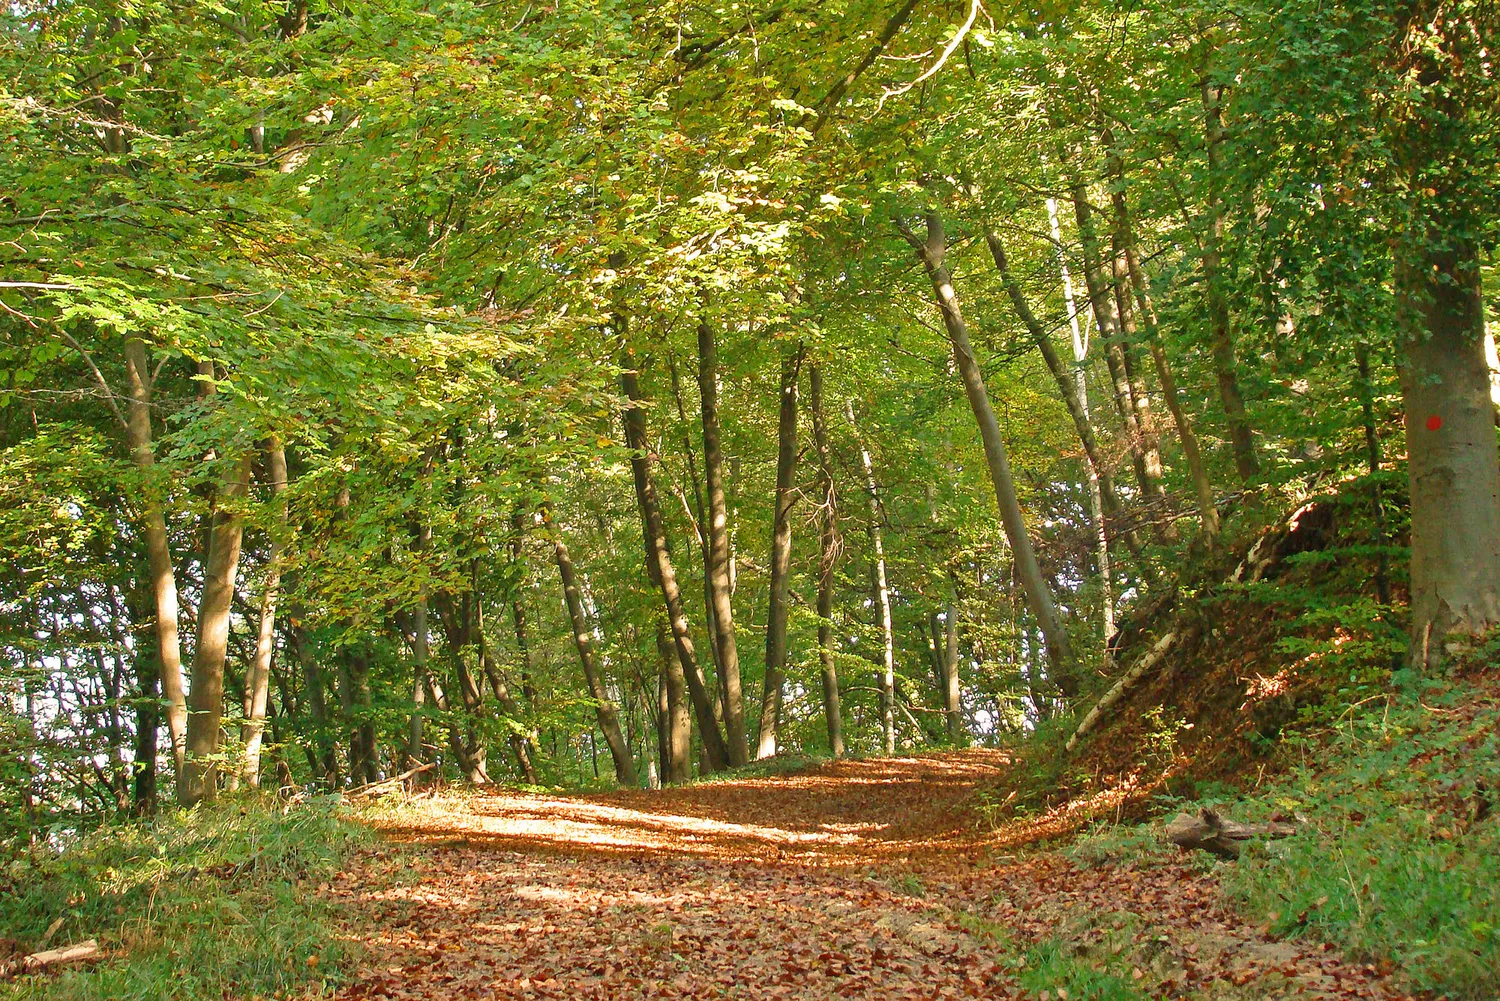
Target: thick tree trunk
[604,708]
[720,584]
[1221,335]
[199,777]
[781,555]
[158,549]
[663,574]
[828,550]
[258,679]
[1450,441]
[676,722]
[881,595]
[1038,595]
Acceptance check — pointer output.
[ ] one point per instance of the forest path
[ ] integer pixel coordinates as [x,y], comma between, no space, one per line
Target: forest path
[866,879]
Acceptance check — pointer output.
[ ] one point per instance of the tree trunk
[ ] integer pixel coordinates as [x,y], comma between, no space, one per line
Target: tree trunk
[324,754]
[147,714]
[882,596]
[1221,335]
[158,549]
[663,574]
[828,542]
[1107,317]
[1372,455]
[604,708]
[781,555]
[199,777]
[1096,480]
[421,653]
[676,722]
[258,681]
[1038,594]
[1450,441]
[1073,387]
[953,706]
[720,586]
[1208,512]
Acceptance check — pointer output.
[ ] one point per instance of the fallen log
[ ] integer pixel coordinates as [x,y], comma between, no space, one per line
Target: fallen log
[1127,681]
[372,787]
[1224,837]
[82,952]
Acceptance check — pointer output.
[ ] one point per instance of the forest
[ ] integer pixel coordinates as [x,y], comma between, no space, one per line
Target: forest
[489,399]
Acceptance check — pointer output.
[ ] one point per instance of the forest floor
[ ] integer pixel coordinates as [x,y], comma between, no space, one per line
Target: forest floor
[856,879]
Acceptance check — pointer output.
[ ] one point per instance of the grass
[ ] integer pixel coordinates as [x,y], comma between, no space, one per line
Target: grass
[1399,861]
[203,904]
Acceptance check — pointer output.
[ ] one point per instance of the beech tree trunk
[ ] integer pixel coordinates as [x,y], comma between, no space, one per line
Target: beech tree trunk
[1107,316]
[604,708]
[1038,594]
[199,777]
[1450,441]
[663,574]
[147,716]
[258,678]
[158,549]
[676,722]
[1096,482]
[781,555]
[881,595]
[720,582]
[828,549]
[1221,335]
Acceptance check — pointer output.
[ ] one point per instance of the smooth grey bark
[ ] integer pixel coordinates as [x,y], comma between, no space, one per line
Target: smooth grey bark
[720,582]
[158,549]
[258,678]
[781,554]
[1452,466]
[828,550]
[604,708]
[931,252]
[676,721]
[661,571]
[199,777]
[882,594]
[1221,334]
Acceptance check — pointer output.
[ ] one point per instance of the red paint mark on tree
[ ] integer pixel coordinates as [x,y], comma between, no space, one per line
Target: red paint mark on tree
[1434,422]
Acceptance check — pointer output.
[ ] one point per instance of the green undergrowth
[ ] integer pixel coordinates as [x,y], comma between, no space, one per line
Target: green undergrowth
[210,903]
[1059,968]
[1399,858]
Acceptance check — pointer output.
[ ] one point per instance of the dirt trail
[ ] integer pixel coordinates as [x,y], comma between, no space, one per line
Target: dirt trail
[858,880]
